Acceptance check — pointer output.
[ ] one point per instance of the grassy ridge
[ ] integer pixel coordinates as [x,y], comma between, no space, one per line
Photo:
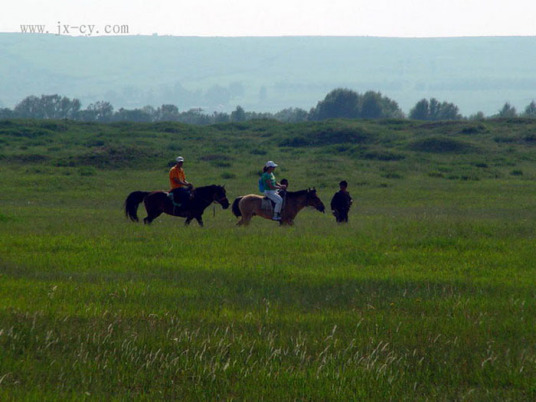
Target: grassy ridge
[428,293]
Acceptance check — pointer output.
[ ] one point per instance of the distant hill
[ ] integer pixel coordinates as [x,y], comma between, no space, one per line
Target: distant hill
[267,74]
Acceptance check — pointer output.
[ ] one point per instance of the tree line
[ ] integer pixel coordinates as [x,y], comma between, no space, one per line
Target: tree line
[339,103]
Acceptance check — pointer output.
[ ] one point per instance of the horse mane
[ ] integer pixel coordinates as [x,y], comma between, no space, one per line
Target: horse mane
[203,189]
[207,191]
[297,193]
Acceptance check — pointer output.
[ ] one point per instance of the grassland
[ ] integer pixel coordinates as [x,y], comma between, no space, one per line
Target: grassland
[427,294]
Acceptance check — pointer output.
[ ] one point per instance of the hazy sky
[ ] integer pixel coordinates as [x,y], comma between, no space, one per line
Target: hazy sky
[392,18]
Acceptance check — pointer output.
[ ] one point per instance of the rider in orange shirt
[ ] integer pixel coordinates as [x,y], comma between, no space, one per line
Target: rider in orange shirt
[177,178]
[180,187]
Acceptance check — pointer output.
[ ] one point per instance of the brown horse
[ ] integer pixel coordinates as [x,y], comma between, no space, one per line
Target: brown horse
[250,205]
[157,202]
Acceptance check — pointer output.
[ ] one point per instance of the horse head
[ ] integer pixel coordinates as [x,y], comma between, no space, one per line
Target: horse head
[314,201]
[219,195]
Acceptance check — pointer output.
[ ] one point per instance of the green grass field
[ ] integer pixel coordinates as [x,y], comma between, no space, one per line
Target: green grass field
[427,294]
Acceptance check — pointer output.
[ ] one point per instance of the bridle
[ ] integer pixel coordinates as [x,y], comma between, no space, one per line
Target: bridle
[311,196]
[219,200]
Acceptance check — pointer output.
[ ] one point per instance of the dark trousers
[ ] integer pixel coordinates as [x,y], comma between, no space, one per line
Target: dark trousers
[341,215]
[181,196]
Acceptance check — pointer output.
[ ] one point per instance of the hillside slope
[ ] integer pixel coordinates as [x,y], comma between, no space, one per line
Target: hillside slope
[371,153]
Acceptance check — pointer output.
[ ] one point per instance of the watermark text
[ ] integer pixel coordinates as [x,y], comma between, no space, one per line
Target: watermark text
[76,30]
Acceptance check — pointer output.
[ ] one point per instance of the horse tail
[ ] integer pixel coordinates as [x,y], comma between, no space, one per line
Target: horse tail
[236,210]
[132,202]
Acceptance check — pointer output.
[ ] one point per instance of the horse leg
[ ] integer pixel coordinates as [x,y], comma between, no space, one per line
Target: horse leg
[199,220]
[286,219]
[244,220]
[153,212]
[151,217]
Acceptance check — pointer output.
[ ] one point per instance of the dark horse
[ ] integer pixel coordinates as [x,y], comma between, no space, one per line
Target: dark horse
[157,202]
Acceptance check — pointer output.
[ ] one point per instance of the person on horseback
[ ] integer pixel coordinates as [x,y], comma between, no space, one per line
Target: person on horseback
[270,188]
[180,187]
[283,190]
[283,182]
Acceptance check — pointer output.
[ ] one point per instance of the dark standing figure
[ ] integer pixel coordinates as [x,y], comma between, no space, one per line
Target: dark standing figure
[341,203]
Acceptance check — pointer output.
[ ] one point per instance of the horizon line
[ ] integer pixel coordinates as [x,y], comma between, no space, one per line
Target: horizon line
[275,36]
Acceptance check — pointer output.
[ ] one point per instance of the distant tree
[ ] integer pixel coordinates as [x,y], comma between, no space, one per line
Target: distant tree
[238,115]
[195,116]
[477,116]
[29,107]
[507,111]
[339,103]
[421,110]
[167,113]
[6,113]
[345,103]
[291,115]
[70,108]
[47,107]
[136,115]
[530,110]
[259,116]
[434,110]
[371,106]
[150,110]
[390,109]
[220,117]
[100,111]
[448,111]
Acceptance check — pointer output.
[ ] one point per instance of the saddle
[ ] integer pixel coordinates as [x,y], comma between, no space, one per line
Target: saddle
[180,198]
[268,205]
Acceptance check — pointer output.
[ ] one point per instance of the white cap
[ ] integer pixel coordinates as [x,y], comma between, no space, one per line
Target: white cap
[271,164]
[180,159]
